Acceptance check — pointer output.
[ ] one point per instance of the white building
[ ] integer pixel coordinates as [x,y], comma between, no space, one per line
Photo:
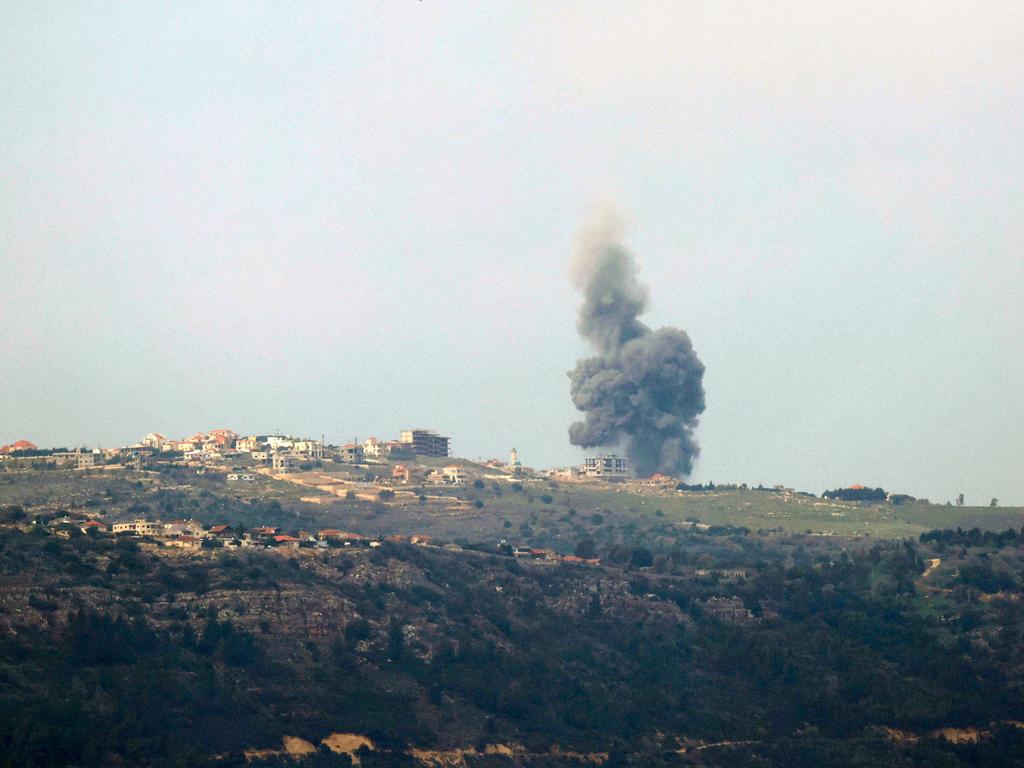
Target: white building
[155,441]
[606,467]
[279,442]
[454,474]
[139,527]
[314,449]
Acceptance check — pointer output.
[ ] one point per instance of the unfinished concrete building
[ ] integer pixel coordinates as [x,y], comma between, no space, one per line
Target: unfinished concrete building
[425,442]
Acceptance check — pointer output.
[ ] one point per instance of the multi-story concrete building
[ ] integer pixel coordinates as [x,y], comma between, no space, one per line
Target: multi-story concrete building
[455,474]
[282,462]
[139,527]
[425,442]
[79,459]
[606,467]
[351,453]
[314,449]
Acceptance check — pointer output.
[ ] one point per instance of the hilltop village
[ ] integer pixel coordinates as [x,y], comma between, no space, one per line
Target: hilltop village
[379,470]
[193,535]
[284,452]
[417,475]
[270,600]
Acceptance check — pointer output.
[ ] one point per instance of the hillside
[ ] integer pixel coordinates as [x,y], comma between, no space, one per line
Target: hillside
[120,652]
[487,508]
[689,644]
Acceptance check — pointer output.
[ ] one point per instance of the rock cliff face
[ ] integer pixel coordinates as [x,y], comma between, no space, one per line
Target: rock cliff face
[113,652]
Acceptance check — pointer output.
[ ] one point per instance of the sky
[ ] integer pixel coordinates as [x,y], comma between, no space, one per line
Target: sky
[353,218]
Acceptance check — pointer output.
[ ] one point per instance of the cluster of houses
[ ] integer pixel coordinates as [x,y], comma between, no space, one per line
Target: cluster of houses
[282,450]
[193,535]
[190,534]
[225,443]
[283,453]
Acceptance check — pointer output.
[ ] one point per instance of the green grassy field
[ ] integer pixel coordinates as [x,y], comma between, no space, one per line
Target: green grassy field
[753,509]
[536,512]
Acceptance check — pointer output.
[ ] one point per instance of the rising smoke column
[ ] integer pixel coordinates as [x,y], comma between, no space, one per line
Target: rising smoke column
[642,390]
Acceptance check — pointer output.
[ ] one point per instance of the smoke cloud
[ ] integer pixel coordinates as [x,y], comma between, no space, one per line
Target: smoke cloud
[642,392]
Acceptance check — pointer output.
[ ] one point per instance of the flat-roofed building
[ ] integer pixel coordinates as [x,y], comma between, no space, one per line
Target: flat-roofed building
[139,527]
[351,453]
[425,442]
[606,467]
[455,474]
[282,462]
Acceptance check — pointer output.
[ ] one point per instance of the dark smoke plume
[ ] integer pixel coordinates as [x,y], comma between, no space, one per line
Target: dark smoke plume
[642,391]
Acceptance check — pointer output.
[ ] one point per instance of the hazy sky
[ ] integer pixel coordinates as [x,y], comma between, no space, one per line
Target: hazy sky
[358,217]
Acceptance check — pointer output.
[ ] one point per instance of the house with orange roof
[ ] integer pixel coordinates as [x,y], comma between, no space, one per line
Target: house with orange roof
[20,445]
[247,444]
[220,439]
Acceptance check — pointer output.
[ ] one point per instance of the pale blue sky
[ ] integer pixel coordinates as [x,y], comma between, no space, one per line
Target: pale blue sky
[352,218]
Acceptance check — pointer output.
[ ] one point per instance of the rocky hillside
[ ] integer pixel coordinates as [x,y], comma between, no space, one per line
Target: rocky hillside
[119,652]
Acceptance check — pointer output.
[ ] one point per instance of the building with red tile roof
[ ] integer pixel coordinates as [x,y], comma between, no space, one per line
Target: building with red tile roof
[20,445]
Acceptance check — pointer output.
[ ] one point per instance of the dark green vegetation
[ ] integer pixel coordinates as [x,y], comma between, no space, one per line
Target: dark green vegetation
[709,644]
[118,653]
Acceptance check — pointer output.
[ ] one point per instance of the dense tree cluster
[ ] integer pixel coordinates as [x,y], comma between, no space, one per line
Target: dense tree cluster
[797,648]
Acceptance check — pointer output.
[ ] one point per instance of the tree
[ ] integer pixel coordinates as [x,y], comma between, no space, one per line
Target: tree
[585,548]
[994,502]
[641,558]
[14,513]
[959,499]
